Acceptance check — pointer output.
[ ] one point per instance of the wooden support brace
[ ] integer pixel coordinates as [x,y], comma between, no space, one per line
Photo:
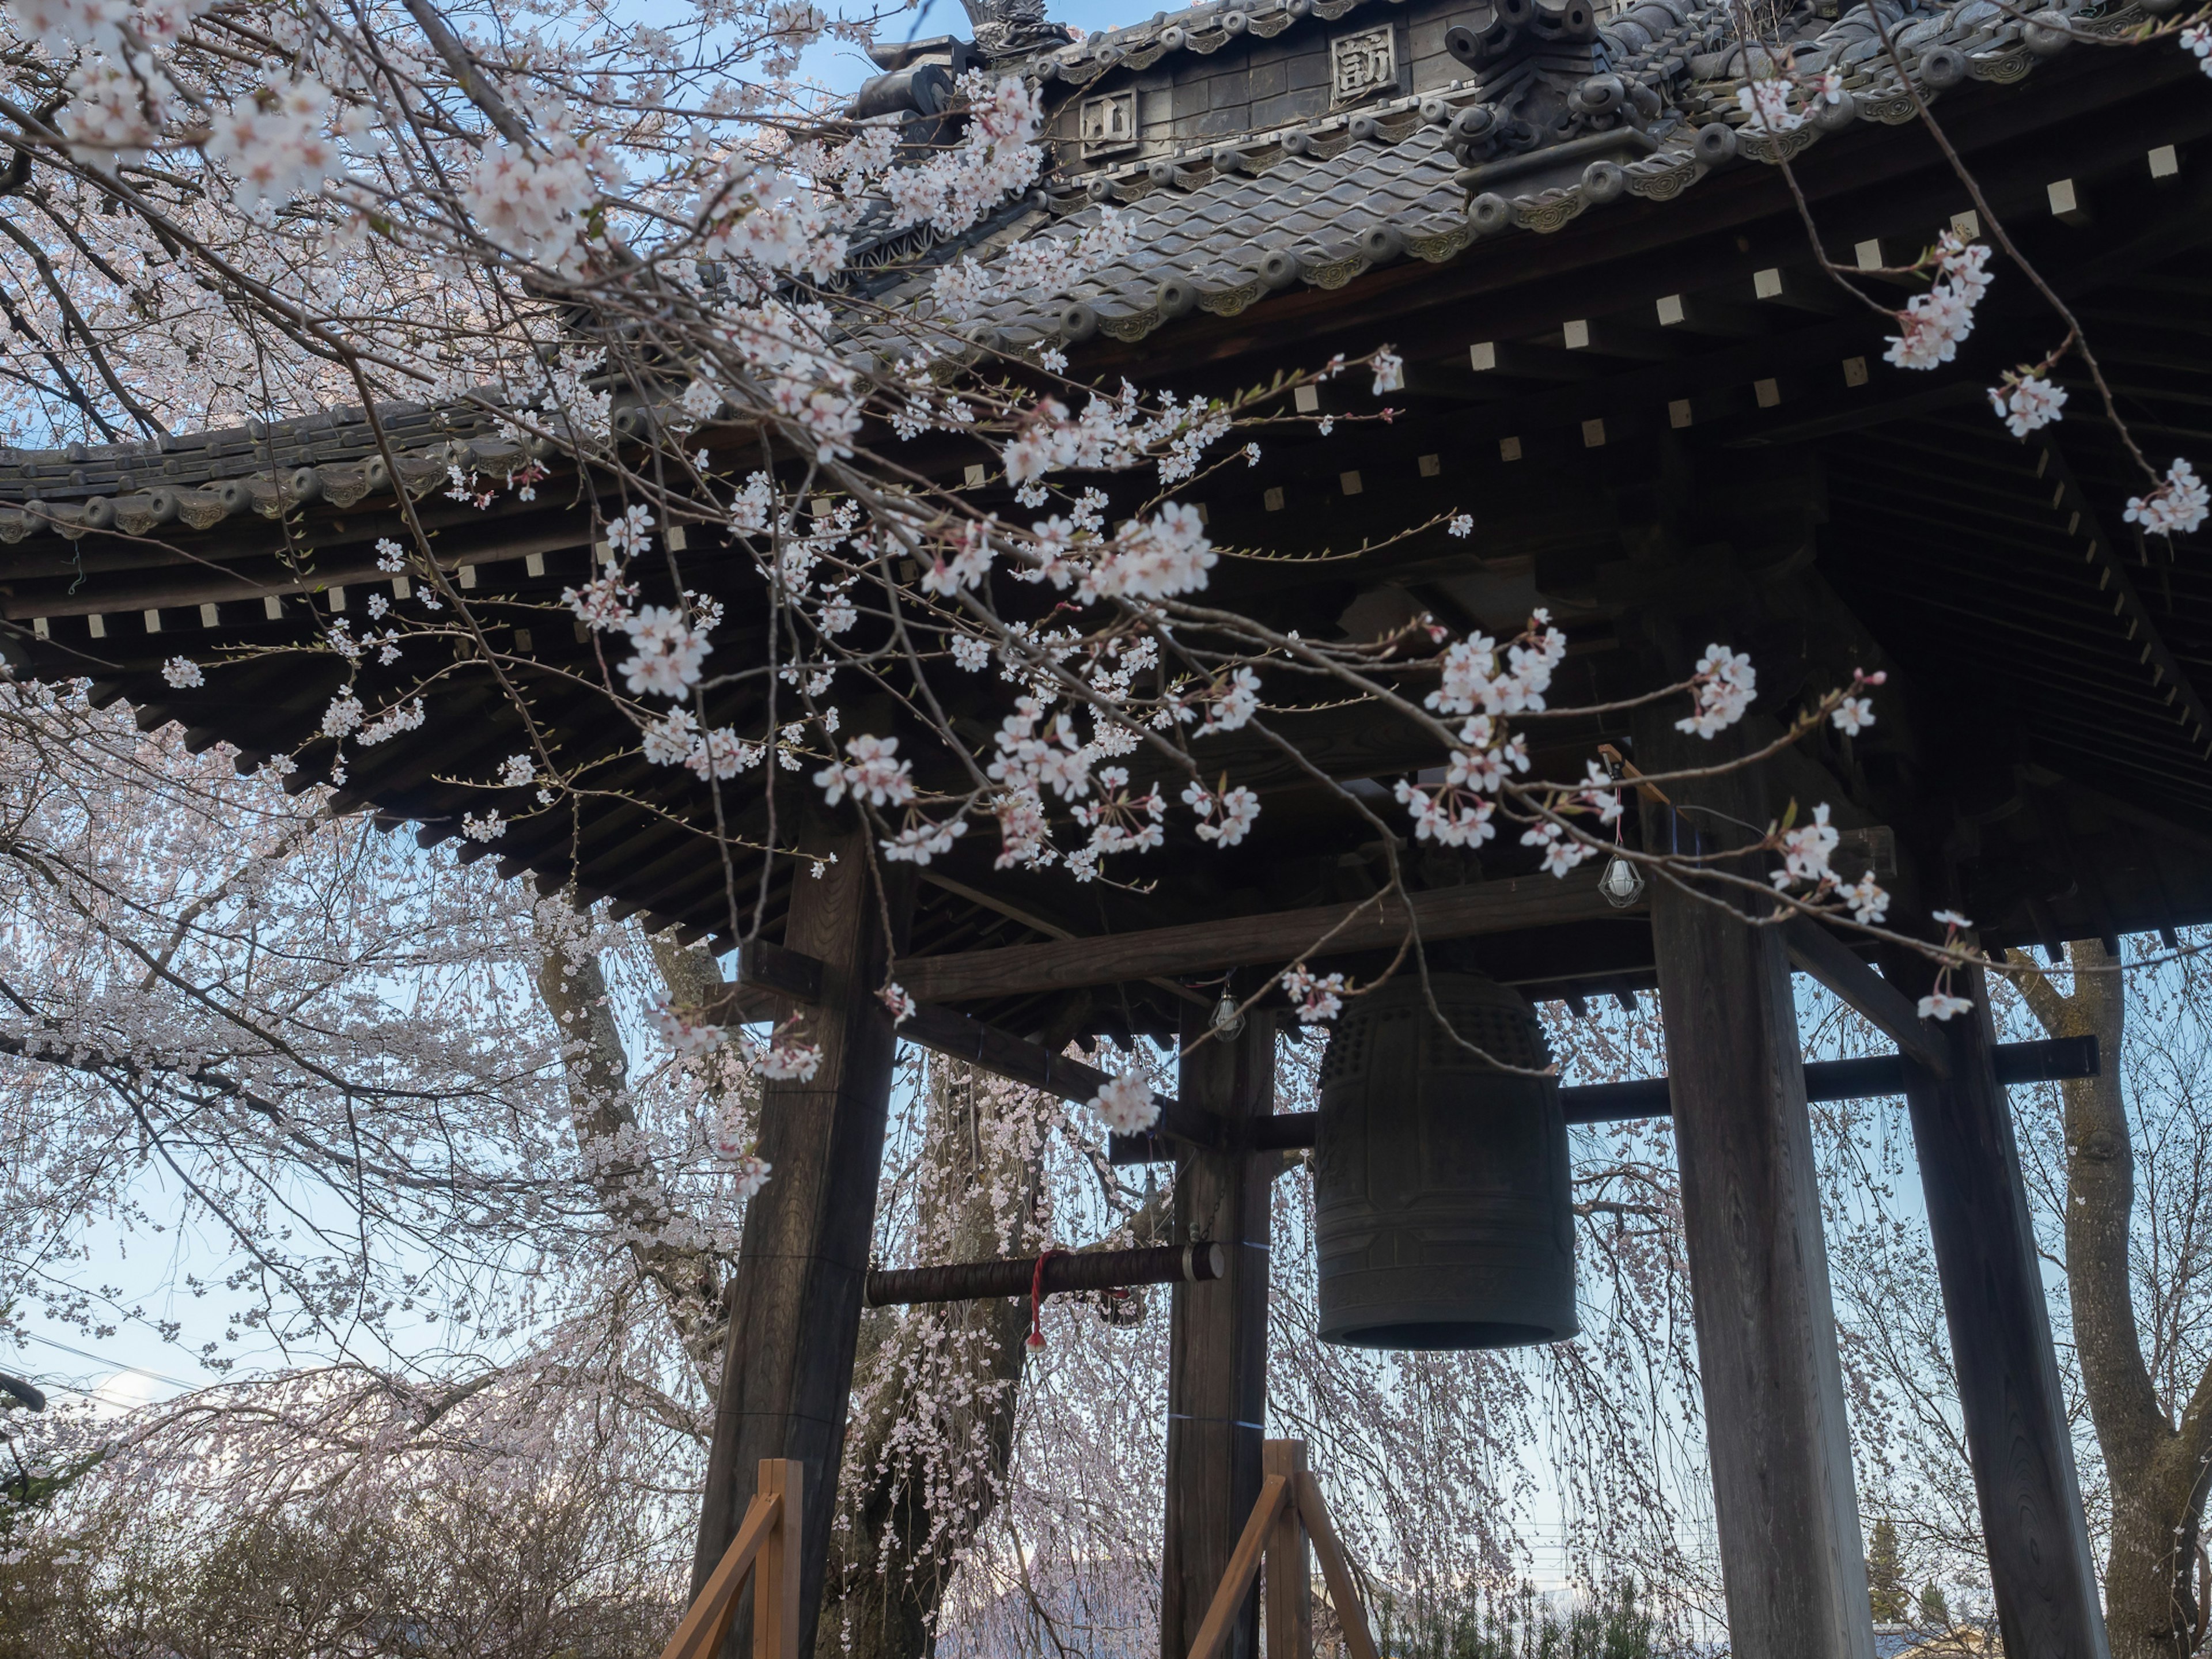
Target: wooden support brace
[1243,1567]
[782,979]
[1343,1594]
[1289,1606]
[765,1548]
[1817,952]
[1290,1517]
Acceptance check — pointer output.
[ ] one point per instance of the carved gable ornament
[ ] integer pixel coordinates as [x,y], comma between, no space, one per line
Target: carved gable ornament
[1110,123]
[1362,66]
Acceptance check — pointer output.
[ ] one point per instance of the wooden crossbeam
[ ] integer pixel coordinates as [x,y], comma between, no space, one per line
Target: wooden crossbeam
[2045,1059]
[766,1547]
[1818,953]
[1284,936]
[957,1036]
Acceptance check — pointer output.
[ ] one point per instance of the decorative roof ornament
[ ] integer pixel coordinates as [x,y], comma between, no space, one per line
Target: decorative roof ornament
[1013,28]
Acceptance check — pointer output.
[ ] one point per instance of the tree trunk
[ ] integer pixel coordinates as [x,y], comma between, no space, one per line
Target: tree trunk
[574,989]
[2157,1469]
[936,1385]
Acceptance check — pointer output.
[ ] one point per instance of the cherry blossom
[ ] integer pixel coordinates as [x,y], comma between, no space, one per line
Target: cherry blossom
[2028,403]
[2198,38]
[789,1058]
[680,1031]
[1126,1104]
[2178,506]
[1319,997]
[1561,852]
[1767,103]
[670,652]
[1936,322]
[1725,685]
[871,770]
[183,672]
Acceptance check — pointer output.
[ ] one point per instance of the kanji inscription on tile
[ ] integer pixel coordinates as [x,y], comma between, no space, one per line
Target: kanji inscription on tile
[1110,123]
[1361,65]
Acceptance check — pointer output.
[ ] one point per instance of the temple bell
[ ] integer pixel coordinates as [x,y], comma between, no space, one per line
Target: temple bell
[1441,1211]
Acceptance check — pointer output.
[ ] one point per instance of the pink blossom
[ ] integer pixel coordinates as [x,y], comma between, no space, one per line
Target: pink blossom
[2178,506]
[2027,403]
[1126,1104]
[1941,1005]
[872,771]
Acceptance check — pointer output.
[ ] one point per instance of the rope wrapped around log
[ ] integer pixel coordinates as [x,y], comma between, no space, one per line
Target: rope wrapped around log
[1089,1270]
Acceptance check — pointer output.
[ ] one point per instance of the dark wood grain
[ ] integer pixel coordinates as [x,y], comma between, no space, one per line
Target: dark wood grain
[1217,1343]
[1281,936]
[2017,1439]
[1792,1561]
[795,1300]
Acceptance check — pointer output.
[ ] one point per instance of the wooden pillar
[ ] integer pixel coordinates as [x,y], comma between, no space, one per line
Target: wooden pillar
[2017,1439]
[1218,1341]
[1792,1561]
[795,1302]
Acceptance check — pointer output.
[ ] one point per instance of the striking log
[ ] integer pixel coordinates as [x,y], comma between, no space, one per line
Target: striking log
[1218,1342]
[1791,1560]
[795,1301]
[1063,1273]
[2046,1060]
[1490,907]
[2017,1436]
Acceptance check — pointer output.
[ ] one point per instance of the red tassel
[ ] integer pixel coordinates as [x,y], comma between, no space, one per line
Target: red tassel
[1036,1299]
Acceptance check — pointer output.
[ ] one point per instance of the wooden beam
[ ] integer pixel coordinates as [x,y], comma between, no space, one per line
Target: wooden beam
[1243,1567]
[779,1575]
[2044,1060]
[706,1621]
[1821,954]
[1792,1562]
[1284,936]
[795,1299]
[765,967]
[1217,1343]
[1056,1274]
[1343,1592]
[1290,1562]
[2085,524]
[960,1036]
[2019,1441]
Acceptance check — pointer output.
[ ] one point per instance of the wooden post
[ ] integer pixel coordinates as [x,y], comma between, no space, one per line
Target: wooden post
[780,1569]
[766,1550]
[1218,1340]
[802,1266]
[2017,1438]
[1289,1569]
[1792,1564]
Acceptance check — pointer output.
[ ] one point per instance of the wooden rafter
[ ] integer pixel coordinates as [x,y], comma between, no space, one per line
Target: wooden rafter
[1282,936]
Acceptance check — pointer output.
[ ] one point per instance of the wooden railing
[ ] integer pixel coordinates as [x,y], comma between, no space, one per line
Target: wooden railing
[767,1547]
[1288,1521]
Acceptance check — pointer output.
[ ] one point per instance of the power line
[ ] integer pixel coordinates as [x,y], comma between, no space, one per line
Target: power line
[112,1364]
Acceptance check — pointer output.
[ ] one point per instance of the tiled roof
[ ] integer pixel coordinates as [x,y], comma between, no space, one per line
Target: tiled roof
[1342,195]
[1218,229]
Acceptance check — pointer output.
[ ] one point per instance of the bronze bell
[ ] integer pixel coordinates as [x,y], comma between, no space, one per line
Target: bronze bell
[1442,1212]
